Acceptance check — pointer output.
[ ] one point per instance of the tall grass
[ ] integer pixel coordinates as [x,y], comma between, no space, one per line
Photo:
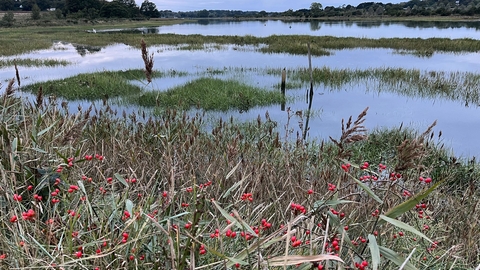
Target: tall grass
[166,193]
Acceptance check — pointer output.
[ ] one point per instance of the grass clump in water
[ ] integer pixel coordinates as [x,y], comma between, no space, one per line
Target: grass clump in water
[212,94]
[90,86]
[33,62]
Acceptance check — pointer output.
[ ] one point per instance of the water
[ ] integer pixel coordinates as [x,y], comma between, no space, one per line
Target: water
[367,29]
[459,124]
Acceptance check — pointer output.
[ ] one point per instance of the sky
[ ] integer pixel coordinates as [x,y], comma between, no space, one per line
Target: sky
[250,5]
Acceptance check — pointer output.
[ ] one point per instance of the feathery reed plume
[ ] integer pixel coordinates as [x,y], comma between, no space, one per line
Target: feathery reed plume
[148,60]
[39,100]
[409,152]
[17,74]
[351,134]
[9,91]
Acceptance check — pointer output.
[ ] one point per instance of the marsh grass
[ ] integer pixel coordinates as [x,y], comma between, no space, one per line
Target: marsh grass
[93,86]
[212,94]
[33,62]
[461,87]
[34,38]
[455,86]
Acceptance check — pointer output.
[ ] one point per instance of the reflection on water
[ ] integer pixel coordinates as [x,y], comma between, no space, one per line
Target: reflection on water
[84,49]
[329,105]
[367,29]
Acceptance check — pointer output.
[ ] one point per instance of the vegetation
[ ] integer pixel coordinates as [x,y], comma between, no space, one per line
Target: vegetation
[97,190]
[90,9]
[28,39]
[363,10]
[212,94]
[32,62]
[169,192]
[7,19]
[93,86]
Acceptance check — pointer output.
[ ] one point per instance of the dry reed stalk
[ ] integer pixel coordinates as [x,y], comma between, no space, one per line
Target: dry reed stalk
[9,91]
[148,60]
[351,134]
[39,100]
[17,74]
[410,151]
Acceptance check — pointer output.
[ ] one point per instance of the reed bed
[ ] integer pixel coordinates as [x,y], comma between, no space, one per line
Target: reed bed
[87,190]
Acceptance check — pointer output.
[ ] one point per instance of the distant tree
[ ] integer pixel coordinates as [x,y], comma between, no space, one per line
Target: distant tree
[35,12]
[131,6]
[8,19]
[127,3]
[44,4]
[262,13]
[91,13]
[58,13]
[203,13]
[7,4]
[288,13]
[315,6]
[73,6]
[114,10]
[149,9]
[315,9]
[27,5]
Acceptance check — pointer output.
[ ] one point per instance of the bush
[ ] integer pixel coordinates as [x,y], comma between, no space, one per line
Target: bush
[36,12]
[8,19]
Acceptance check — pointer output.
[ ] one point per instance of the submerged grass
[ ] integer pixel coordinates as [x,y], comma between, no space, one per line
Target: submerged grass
[212,94]
[33,62]
[216,94]
[456,86]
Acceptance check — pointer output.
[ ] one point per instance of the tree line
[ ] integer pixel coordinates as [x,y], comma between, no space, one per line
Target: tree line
[86,8]
[92,9]
[365,9]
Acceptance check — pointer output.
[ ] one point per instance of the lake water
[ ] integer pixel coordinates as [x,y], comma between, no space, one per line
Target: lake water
[368,29]
[459,124]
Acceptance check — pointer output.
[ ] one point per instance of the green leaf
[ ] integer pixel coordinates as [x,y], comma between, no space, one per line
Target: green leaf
[367,189]
[238,223]
[14,145]
[404,226]
[227,193]
[224,213]
[395,258]
[299,259]
[330,203]
[121,179]
[129,206]
[89,205]
[374,251]
[46,129]
[233,170]
[410,203]
[41,247]
[173,217]
[407,259]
